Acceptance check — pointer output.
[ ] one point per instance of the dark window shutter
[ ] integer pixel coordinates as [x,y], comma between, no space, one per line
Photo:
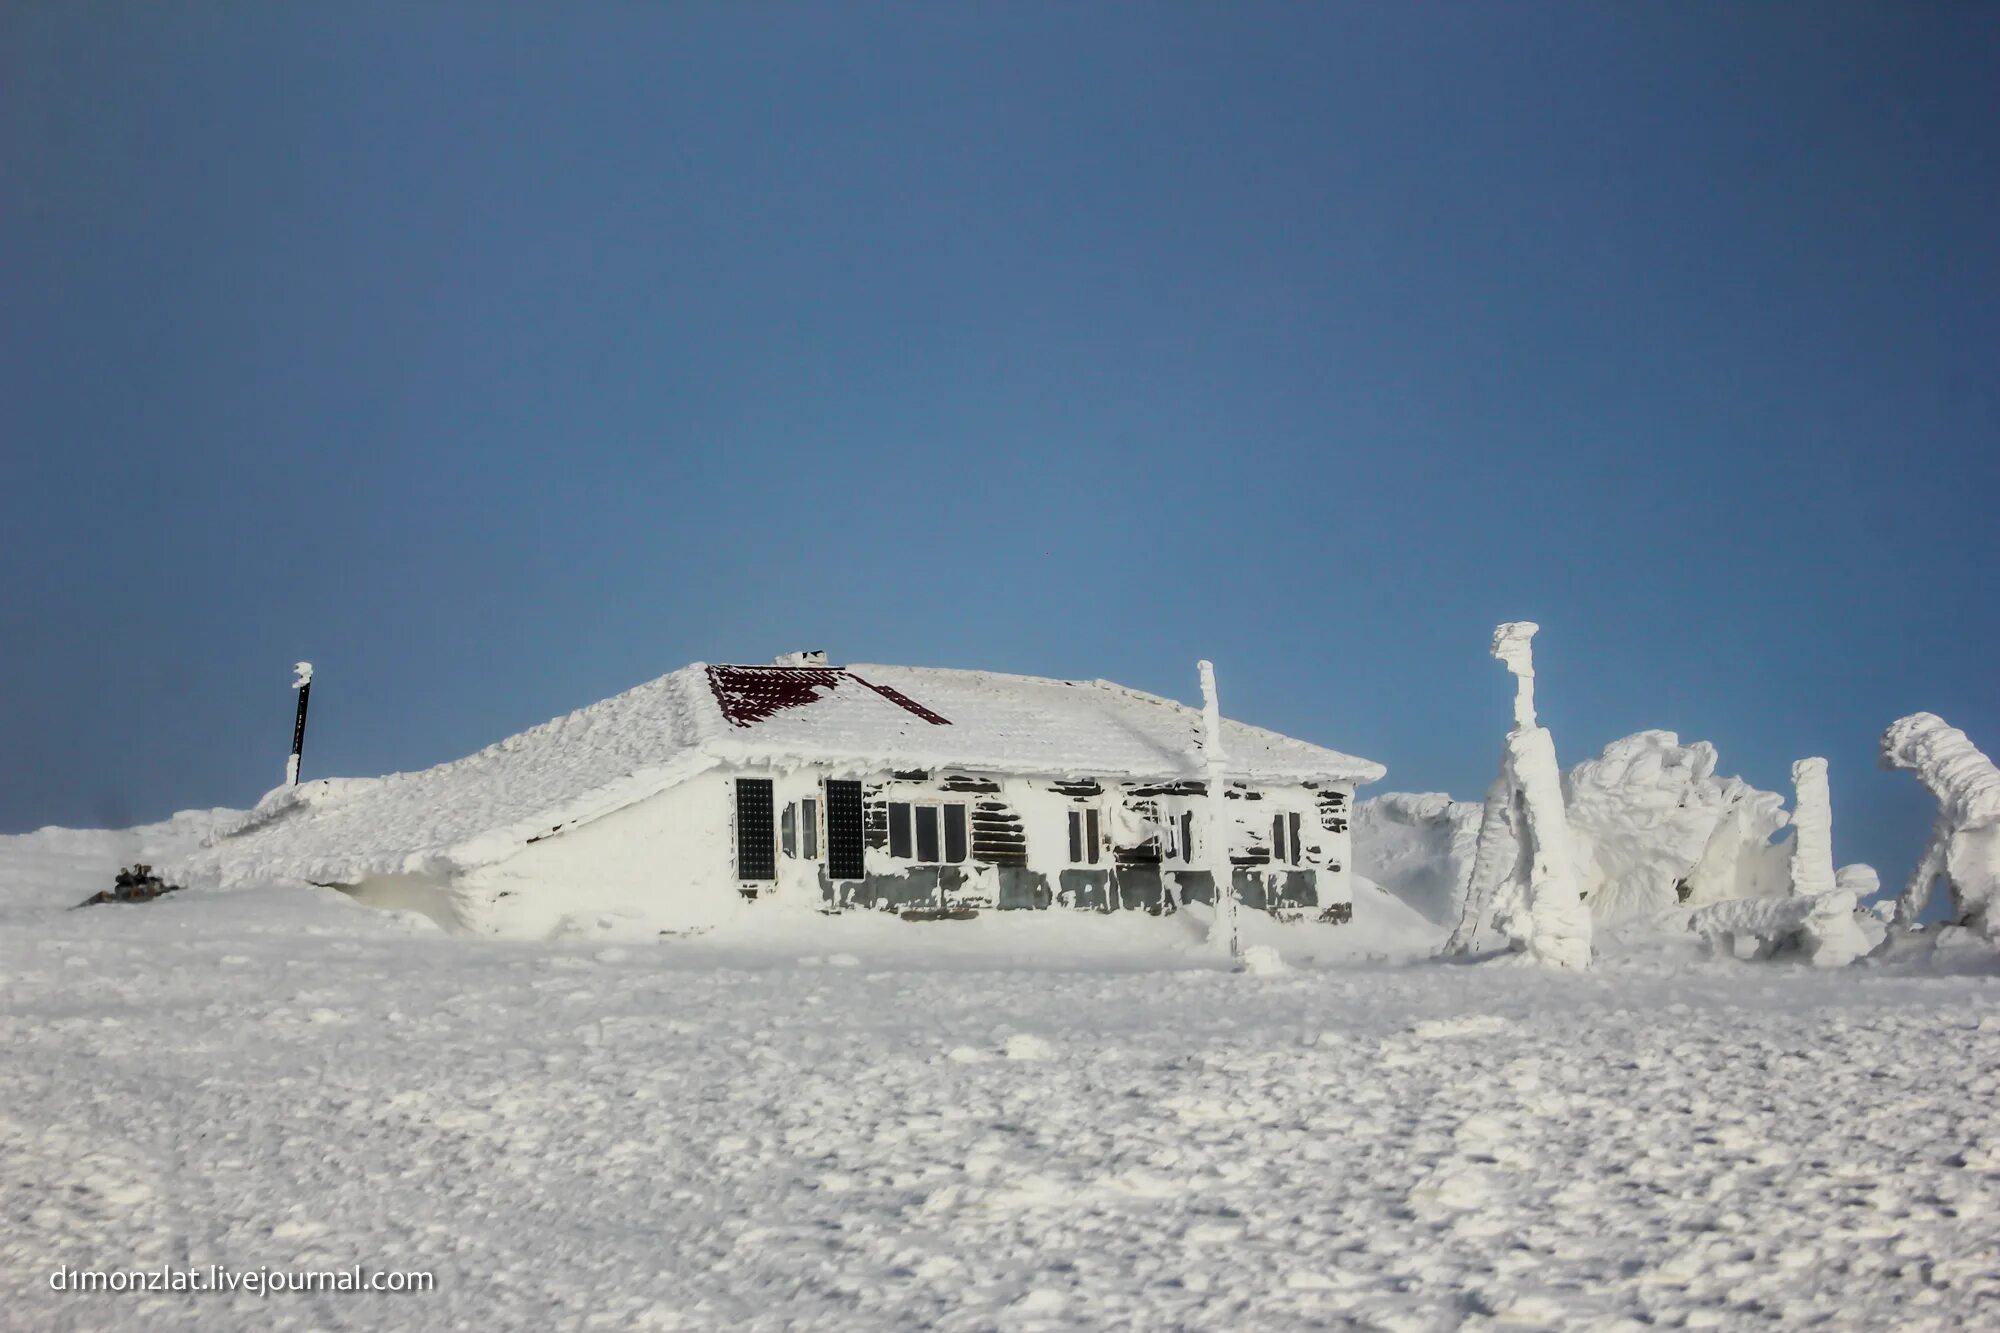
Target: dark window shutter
[1092,852]
[844,856]
[927,834]
[954,833]
[755,857]
[1075,837]
[1295,838]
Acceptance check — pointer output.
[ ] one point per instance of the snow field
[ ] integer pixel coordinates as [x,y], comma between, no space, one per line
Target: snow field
[1038,1122]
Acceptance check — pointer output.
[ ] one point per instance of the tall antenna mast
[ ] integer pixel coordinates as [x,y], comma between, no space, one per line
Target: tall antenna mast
[302,681]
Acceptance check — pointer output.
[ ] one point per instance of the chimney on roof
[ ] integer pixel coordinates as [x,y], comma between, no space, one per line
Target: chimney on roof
[817,657]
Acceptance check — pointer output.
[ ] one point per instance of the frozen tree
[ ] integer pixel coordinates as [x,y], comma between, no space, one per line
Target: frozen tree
[1964,844]
[1524,871]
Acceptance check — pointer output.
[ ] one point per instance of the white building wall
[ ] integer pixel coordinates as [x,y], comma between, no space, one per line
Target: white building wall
[666,863]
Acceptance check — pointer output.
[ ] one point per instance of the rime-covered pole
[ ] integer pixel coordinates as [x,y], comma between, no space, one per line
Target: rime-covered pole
[302,681]
[1812,824]
[1215,840]
[1558,922]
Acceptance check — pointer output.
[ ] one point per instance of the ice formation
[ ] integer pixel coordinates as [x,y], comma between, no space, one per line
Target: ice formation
[1419,846]
[1820,925]
[1524,871]
[1964,844]
[1812,829]
[1652,825]
[1216,841]
[1739,860]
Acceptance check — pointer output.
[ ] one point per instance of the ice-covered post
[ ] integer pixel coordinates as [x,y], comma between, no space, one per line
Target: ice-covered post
[1514,647]
[1559,922]
[1215,836]
[1812,824]
[302,681]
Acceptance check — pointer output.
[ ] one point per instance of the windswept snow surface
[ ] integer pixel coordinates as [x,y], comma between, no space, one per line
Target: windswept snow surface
[1036,1120]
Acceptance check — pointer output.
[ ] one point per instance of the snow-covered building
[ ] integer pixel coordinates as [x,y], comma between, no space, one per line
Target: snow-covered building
[678,802]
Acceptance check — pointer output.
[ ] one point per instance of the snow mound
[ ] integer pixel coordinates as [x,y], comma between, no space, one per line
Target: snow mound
[1418,846]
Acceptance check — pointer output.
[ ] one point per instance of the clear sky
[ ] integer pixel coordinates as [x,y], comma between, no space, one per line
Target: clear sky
[497,358]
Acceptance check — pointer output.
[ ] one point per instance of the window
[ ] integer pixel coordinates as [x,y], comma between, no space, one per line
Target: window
[1085,846]
[1187,837]
[846,855]
[1285,839]
[931,834]
[954,834]
[798,830]
[756,855]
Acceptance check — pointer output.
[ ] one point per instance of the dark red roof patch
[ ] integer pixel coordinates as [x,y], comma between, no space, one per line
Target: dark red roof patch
[905,702]
[748,695]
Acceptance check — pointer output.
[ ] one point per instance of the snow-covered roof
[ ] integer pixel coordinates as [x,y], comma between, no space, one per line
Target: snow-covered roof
[856,719]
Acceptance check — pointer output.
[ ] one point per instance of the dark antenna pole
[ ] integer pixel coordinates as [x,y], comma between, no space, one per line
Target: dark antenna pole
[302,681]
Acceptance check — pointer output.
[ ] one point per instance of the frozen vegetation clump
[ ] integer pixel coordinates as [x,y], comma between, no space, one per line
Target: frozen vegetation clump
[1964,845]
[1652,827]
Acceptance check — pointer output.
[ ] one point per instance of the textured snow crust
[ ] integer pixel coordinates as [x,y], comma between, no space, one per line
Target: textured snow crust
[1040,1121]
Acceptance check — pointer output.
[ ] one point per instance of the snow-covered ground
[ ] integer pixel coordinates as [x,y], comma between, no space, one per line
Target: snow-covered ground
[1036,1120]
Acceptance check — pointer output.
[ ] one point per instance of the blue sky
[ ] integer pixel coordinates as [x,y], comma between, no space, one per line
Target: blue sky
[499,358]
